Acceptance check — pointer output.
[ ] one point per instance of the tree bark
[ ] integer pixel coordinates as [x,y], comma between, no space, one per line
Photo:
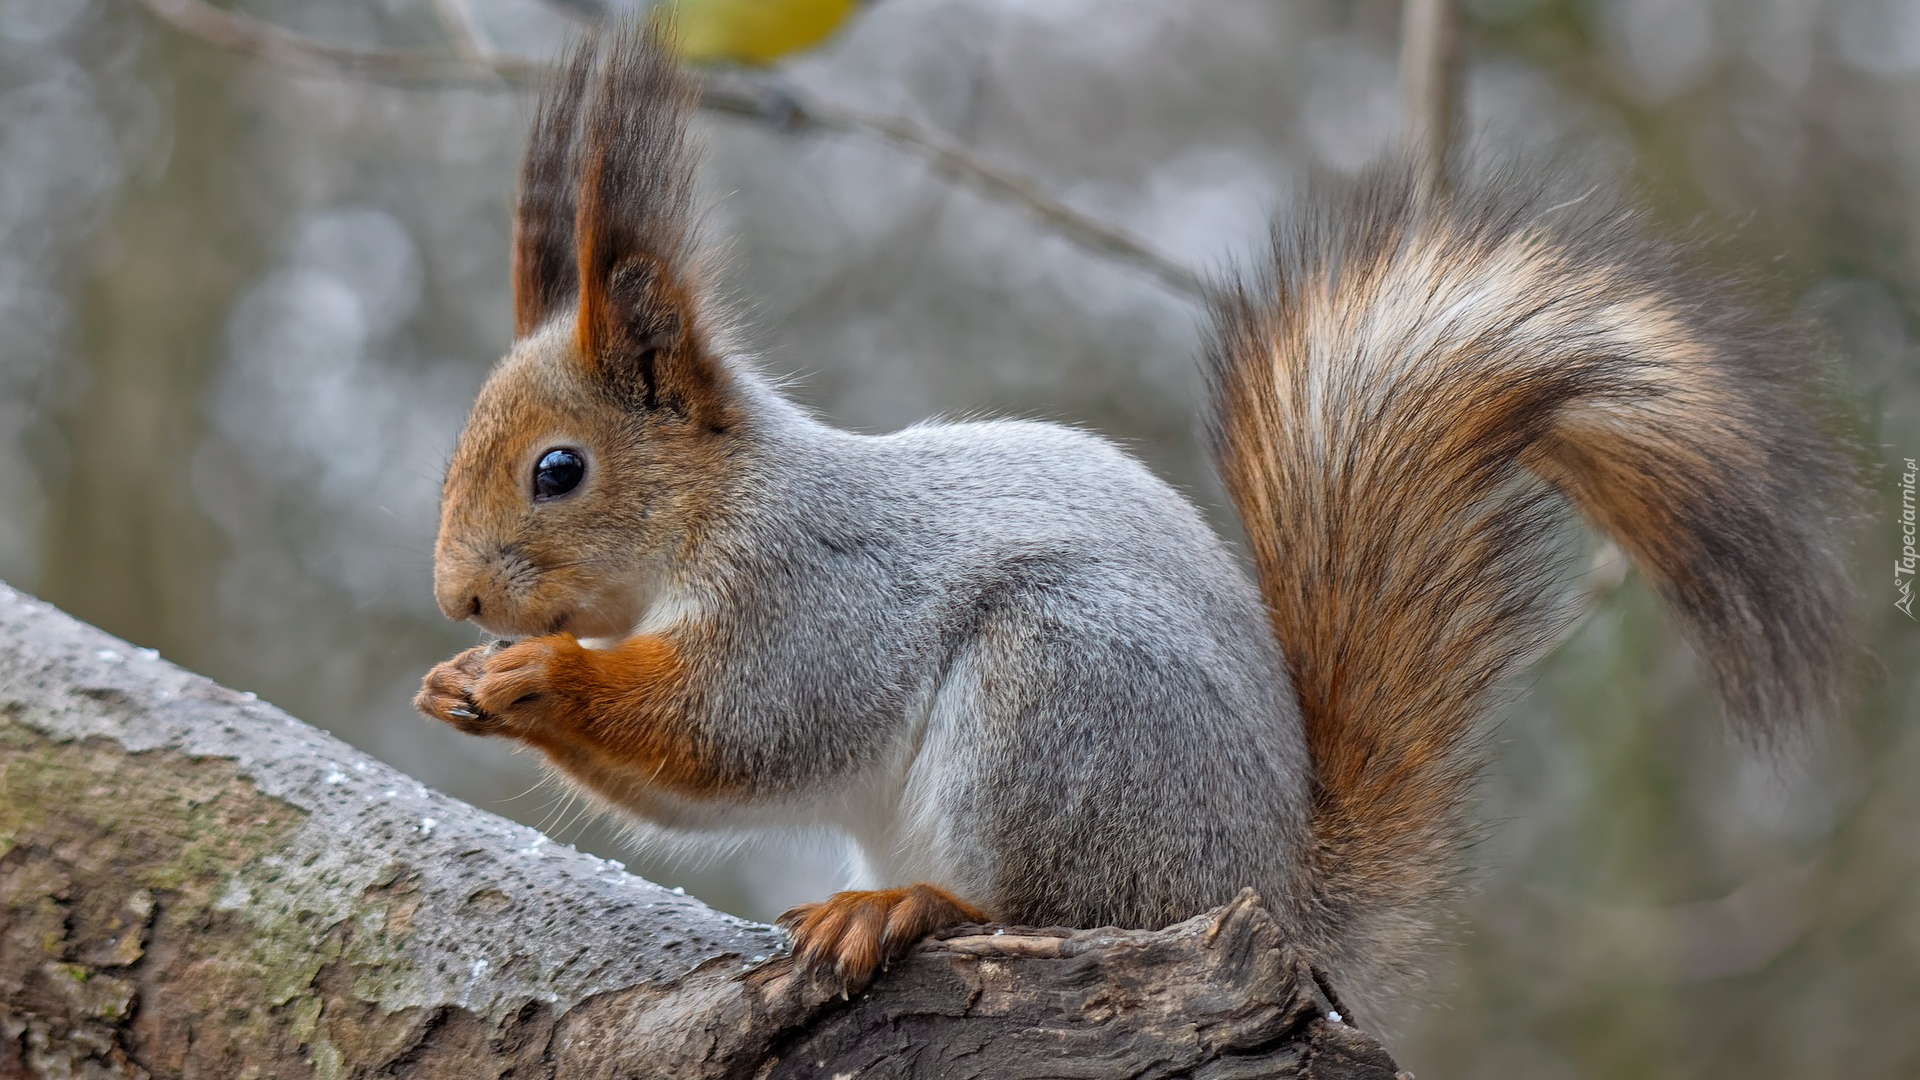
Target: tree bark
[194,884]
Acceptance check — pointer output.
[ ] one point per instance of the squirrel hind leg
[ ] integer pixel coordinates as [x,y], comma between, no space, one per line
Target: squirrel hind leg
[851,936]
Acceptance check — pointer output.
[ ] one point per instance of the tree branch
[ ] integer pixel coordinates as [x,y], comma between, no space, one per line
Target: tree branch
[193,883]
[734,93]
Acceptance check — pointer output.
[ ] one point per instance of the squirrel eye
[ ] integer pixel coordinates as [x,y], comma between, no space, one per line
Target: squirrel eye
[558,472]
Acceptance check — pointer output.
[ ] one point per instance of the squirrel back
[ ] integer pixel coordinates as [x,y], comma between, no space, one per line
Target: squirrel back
[1398,398]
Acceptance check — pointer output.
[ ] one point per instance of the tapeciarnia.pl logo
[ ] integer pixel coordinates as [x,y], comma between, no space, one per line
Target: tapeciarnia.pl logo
[1903,567]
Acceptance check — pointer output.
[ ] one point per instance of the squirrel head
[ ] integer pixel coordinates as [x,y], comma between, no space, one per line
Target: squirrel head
[601,441]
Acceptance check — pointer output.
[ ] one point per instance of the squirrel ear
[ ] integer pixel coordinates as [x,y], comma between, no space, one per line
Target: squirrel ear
[639,328]
[544,263]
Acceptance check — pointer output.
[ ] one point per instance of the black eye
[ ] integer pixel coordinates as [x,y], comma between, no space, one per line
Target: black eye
[558,472]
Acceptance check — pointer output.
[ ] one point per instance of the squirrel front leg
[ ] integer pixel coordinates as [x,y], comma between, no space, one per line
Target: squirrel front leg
[619,720]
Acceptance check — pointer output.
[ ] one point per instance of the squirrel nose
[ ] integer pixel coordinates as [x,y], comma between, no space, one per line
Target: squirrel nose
[459,604]
[458,608]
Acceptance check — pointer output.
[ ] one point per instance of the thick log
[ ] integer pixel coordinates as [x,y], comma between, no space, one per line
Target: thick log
[194,884]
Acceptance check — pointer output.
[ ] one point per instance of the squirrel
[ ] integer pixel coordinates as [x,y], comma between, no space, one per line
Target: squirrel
[1020,671]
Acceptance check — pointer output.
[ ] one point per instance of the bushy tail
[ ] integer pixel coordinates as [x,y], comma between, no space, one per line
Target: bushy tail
[1398,399]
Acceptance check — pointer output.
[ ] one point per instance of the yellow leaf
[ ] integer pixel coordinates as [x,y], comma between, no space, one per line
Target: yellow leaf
[753,31]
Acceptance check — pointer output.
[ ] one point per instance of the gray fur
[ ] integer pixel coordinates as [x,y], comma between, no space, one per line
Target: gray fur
[981,649]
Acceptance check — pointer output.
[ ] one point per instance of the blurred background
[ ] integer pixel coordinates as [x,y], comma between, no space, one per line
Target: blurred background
[244,304]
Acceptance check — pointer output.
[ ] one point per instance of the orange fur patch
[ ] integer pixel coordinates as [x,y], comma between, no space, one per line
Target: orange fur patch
[630,717]
[619,720]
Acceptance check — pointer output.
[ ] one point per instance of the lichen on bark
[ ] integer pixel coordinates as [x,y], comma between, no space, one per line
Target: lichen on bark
[133,878]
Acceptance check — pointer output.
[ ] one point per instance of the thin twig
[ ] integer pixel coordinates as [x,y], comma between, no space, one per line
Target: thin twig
[264,41]
[1431,64]
[952,160]
[734,93]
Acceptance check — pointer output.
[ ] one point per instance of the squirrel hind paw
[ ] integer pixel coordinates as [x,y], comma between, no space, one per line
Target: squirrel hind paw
[851,936]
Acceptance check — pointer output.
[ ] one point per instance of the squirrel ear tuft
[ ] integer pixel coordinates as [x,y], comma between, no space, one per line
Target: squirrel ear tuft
[639,328]
[544,263]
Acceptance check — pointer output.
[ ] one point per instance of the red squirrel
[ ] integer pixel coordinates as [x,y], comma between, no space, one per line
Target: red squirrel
[1019,670]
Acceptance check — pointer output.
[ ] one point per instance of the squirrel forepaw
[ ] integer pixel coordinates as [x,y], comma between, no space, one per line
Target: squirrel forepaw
[850,936]
[495,691]
[444,693]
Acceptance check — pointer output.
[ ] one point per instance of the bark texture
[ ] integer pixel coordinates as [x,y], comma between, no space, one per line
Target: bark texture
[194,884]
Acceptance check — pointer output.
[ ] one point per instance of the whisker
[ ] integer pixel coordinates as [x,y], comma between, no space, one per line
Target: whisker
[537,784]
